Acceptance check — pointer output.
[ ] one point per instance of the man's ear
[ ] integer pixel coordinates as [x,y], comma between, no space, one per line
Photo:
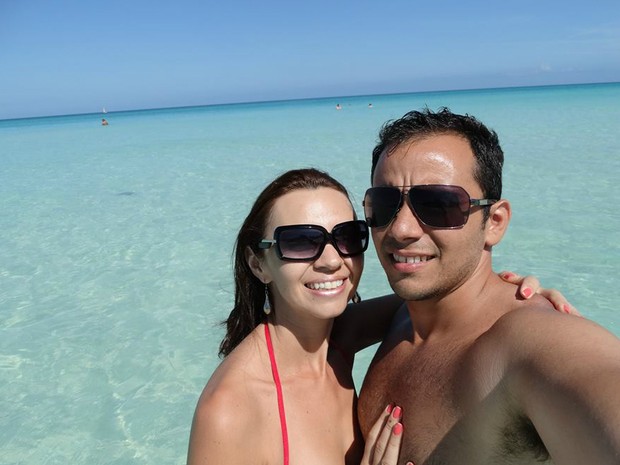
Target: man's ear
[256,265]
[497,224]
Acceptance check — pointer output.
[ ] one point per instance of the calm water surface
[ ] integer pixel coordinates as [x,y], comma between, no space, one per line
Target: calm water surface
[115,258]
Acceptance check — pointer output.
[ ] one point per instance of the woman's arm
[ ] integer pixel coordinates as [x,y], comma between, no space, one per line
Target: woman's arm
[364,324]
[530,285]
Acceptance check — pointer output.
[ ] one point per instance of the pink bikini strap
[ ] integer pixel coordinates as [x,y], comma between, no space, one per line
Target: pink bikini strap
[276,380]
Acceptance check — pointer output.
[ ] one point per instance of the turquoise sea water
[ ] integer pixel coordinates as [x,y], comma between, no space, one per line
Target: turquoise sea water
[115,258]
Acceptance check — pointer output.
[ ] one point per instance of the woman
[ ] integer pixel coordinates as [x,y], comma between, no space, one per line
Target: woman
[284,391]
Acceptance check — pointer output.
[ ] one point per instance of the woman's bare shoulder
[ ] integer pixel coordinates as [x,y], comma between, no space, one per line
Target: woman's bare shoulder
[237,381]
[230,406]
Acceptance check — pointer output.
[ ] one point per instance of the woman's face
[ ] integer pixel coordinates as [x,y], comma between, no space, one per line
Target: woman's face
[322,287]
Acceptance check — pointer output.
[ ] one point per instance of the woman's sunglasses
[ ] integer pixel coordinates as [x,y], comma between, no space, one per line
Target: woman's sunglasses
[305,242]
[436,205]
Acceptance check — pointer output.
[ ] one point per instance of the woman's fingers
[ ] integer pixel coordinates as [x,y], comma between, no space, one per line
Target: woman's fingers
[558,300]
[384,439]
[392,448]
[529,285]
[385,436]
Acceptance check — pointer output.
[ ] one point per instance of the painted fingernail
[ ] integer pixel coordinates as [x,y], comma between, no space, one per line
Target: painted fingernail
[397,429]
[389,408]
[565,308]
[396,413]
[507,275]
[527,292]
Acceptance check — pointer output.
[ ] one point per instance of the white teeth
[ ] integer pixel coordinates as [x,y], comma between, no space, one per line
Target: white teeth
[326,285]
[401,259]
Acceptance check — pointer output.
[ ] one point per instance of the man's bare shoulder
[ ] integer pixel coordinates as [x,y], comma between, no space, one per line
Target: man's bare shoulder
[537,325]
[562,372]
[535,342]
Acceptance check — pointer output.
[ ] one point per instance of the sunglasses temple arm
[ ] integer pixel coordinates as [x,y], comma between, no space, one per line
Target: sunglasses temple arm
[481,202]
[266,243]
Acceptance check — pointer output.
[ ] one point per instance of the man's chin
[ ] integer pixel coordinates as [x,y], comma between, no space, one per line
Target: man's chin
[411,293]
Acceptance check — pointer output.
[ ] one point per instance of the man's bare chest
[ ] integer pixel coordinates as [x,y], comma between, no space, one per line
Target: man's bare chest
[424,385]
[455,409]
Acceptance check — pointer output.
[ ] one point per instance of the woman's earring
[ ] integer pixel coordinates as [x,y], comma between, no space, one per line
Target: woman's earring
[267,305]
[356,298]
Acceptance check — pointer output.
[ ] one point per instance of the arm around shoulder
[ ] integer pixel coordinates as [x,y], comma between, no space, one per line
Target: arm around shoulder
[366,323]
[567,385]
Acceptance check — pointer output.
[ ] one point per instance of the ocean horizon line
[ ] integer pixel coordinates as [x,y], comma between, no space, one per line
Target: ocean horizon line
[301,99]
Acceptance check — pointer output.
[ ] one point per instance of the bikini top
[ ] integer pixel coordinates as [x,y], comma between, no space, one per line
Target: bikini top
[276,380]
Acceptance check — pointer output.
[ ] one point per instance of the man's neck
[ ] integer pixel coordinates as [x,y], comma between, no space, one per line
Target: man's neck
[461,308]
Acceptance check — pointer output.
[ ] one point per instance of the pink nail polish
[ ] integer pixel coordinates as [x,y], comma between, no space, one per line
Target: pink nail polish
[527,292]
[396,413]
[507,275]
[397,429]
[565,308]
[389,408]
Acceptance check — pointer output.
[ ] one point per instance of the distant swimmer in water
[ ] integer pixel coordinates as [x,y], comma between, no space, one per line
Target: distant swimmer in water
[370,105]
[104,122]
[338,107]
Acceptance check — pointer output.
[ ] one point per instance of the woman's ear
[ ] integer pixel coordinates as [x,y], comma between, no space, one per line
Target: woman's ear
[497,224]
[256,264]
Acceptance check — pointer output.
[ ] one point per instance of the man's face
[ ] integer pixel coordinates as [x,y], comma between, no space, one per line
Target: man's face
[421,262]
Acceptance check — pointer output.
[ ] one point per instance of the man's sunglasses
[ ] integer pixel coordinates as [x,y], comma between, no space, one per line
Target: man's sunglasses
[435,205]
[305,242]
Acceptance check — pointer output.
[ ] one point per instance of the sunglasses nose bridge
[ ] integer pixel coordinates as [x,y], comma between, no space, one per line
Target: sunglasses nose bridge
[403,221]
[328,254]
[401,201]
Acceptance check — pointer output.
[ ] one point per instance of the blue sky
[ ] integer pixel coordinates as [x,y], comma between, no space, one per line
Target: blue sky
[65,57]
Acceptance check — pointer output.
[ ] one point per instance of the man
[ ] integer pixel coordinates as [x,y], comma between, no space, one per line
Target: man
[479,382]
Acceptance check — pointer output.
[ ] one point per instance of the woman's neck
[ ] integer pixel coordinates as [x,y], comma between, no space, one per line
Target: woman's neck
[301,349]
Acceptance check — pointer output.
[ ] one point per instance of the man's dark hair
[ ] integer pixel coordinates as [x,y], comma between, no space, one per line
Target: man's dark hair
[483,141]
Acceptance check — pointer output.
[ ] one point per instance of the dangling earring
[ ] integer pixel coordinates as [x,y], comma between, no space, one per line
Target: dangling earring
[356,298]
[267,305]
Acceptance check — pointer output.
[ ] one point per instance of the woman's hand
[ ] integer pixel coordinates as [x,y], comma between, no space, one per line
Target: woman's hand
[383,441]
[529,285]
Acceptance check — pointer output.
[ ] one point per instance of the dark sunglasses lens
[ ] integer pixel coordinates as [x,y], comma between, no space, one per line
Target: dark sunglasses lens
[381,205]
[440,206]
[351,238]
[300,243]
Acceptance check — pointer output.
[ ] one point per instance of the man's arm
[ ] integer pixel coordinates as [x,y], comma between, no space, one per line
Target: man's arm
[566,380]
